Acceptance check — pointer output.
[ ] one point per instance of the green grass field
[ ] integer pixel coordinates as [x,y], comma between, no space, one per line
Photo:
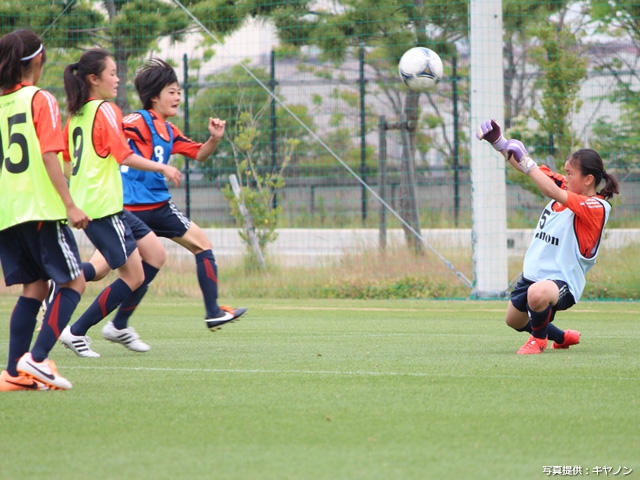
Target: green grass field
[334,389]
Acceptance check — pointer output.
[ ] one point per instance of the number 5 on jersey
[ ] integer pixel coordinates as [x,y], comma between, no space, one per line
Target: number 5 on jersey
[18,139]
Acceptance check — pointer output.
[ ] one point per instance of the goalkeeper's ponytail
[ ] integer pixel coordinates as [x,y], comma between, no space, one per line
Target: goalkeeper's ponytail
[610,187]
[590,163]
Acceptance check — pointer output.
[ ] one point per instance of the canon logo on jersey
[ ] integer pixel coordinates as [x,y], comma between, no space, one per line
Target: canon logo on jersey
[547,238]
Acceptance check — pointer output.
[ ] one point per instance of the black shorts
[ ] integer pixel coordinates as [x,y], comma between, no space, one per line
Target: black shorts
[519,295]
[113,238]
[35,251]
[165,221]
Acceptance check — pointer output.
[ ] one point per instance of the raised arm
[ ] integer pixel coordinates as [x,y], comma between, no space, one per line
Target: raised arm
[518,156]
[216,131]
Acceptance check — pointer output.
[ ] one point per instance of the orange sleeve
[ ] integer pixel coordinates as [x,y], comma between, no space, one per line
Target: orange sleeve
[65,135]
[589,222]
[108,134]
[183,145]
[47,122]
[558,178]
[136,130]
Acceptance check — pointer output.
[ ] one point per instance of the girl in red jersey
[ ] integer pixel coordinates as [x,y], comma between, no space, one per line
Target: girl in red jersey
[96,147]
[152,135]
[36,243]
[146,194]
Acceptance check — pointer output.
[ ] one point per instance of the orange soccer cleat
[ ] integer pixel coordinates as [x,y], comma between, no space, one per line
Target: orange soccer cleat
[571,337]
[21,382]
[533,346]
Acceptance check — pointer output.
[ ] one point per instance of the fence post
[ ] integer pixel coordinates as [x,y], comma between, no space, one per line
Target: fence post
[187,183]
[456,141]
[382,179]
[363,142]
[273,126]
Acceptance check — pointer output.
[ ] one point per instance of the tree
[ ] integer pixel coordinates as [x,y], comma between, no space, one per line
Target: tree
[562,67]
[127,28]
[618,140]
[131,28]
[387,29]
[59,24]
[233,94]
[257,189]
[521,22]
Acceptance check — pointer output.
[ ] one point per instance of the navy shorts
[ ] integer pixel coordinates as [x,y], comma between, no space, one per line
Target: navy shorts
[35,251]
[519,295]
[113,238]
[166,220]
[138,228]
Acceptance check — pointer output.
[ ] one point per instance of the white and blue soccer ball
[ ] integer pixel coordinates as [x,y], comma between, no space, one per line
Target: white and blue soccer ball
[420,69]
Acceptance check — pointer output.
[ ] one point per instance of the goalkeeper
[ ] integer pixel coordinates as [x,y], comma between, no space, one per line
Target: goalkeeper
[565,243]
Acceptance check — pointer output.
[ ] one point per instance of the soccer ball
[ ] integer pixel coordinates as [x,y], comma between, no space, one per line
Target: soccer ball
[420,69]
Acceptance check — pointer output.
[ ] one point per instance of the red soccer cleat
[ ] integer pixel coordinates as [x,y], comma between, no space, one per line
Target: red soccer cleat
[571,337]
[533,346]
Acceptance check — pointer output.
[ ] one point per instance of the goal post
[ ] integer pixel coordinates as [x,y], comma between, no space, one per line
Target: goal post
[488,186]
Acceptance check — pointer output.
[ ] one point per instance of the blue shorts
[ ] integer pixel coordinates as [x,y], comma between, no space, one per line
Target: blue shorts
[165,221]
[35,251]
[113,238]
[138,228]
[519,295]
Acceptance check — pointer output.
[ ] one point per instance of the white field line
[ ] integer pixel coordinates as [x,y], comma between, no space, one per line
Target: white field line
[350,373]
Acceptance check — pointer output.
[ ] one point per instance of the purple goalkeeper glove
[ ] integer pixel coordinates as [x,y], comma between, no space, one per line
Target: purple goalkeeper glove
[489,130]
[516,148]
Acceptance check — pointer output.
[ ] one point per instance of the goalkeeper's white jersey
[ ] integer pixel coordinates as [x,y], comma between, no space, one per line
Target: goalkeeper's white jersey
[554,252]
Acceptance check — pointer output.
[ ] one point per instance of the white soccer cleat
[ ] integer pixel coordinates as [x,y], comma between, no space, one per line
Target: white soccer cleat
[127,337]
[45,372]
[80,345]
[226,315]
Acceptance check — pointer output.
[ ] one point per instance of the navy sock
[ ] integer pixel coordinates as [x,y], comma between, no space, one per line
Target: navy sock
[21,326]
[526,328]
[57,317]
[208,280]
[129,306]
[103,305]
[554,333]
[89,271]
[540,321]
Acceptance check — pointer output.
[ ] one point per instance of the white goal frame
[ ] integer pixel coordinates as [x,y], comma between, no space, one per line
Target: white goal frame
[488,179]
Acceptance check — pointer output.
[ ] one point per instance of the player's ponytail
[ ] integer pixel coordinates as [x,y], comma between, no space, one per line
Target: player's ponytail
[590,163]
[17,50]
[610,187]
[92,62]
